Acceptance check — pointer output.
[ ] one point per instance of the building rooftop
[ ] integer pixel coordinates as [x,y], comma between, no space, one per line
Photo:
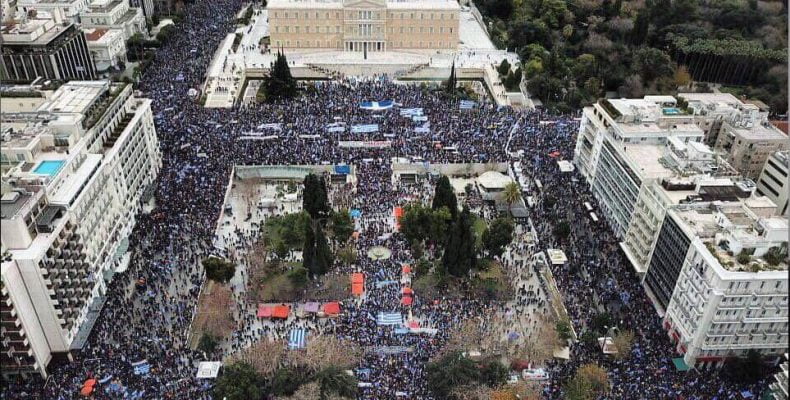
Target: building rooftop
[729,228]
[75,97]
[760,131]
[35,31]
[390,4]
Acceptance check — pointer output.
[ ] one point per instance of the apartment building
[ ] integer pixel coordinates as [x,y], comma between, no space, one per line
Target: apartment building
[364,25]
[74,174]
[773,181]
[730,295]
[779,388]
[737,129]
[114,14]
[42,45]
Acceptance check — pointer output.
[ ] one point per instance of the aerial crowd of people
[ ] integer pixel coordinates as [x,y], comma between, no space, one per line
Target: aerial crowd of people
[148,323]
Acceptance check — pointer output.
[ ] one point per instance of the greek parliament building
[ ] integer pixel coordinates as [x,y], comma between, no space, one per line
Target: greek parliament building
[364,25]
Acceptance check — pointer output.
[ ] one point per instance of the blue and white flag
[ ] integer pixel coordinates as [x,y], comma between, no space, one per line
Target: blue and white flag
[368,128]
[376,105]
[419,118]
[425,128]
[390,318]
[297,339]
[381,284]
[141,367]
[401,331]
[467,105]
[410,112]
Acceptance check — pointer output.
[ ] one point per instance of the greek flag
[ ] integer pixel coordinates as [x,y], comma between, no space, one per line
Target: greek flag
[381,284]
[141,367]
[376,105]
[365,128]
[274,126]
[401,331]
[467,105]
[335,127]
[297,338]
[425,128]
[410,112]
[390,318]
[419,118]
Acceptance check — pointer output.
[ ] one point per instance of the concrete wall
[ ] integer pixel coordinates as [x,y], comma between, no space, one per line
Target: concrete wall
[449,169]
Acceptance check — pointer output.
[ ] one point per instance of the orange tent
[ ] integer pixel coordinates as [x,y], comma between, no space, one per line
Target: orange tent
[406,269]
[357,278]
[407,291]
[357,289]
[398,212]
[86,391]
[90,382]
[264,311]
[281,312]
[332,308]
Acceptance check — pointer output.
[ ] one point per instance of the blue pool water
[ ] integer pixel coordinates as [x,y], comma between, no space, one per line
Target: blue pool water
[49,168]
[671,111]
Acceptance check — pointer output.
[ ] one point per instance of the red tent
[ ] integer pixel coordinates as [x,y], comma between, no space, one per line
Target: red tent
[407,291]
[398,212]
[281,312]
[332,308]
[86,391]
[90,382]
[554,154]
[414,324]
[264,311]
[406,300]
[406,269]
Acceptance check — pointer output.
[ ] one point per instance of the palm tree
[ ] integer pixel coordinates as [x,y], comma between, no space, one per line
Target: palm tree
[511,194]
[335,380]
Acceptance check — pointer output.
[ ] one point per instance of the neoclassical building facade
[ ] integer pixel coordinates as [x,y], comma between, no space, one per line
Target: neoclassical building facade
[364,25]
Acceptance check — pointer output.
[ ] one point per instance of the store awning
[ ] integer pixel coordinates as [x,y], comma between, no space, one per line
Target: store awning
[680,364]
[281,312]
[264,311]
[332,308]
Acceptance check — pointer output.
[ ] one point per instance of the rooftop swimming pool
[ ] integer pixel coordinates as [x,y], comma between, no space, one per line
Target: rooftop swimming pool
[671,111]
[49,167]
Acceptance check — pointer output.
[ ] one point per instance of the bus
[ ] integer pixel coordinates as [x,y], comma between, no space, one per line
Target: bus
[588,206]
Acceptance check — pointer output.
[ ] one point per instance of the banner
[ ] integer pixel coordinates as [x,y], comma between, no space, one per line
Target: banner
[419,118]
[343,169]
[364,144]
[467,105]
[368,128]
[408,112]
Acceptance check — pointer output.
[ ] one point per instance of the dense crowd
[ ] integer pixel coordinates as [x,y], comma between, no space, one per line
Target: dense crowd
[199,148]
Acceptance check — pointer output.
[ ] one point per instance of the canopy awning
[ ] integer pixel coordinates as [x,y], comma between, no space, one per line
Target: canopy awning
[312,307]
[332,308]
[357,278]
[281,312]
[406,300]
[406,269]
[680,364]
[357,289]
[264,311]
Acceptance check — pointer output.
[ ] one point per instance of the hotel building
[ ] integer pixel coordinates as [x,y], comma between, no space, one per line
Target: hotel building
[364,25]
[74,174]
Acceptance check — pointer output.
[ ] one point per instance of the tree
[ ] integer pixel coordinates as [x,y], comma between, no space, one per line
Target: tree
[746,370]
[651,63]
[449,86]
[239,381]
[504,67]
[420,223]
[316,254]
[444,196]
[298,276]
[342,226]
[333,380]
[218,269]
[498,235]
[775,255]
[449,372]
[682,77]
[207,343]
[588,383]
[286,382]
[623,340]
[493,374]
[564,330]
[511,193]
[459,255]
[279,84]
[314,197]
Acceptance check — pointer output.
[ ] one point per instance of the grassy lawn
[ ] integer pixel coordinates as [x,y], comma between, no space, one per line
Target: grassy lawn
[478,227]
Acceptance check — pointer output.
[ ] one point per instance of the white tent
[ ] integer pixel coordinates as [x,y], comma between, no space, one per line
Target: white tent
[493,180]
[208,369]
[557,256]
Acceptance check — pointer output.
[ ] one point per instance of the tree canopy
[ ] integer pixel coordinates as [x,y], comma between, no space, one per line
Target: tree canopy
[218,269]
[498,235]
[444,196]
[459,254]
[239,381]
[279,84]
[314,197]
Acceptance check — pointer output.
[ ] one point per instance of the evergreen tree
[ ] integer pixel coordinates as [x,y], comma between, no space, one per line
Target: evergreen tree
[459,254]
[451,81]
[280,84]
[323,254]
[641,28]
[314,198]
[308,252]
[444,196]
